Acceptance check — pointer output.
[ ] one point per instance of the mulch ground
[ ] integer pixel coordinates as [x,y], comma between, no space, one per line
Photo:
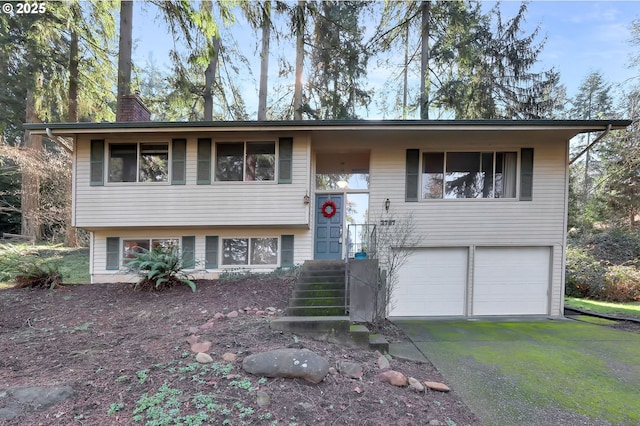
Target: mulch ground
[124,354]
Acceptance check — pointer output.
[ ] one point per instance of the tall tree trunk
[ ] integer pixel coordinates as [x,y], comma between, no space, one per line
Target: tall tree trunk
[405,72]
[264,60]
[71,235]
[124,52]
[297,93]
[30,198]
[74,59]
[209,80]
[424,80]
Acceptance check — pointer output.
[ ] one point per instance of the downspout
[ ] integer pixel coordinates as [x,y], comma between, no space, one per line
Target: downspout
[59,140]
[602,135]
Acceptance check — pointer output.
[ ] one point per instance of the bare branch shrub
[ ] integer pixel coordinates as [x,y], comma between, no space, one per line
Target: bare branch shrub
[397,239]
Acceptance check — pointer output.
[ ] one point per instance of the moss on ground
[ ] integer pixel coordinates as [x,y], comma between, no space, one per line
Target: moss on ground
[579,368]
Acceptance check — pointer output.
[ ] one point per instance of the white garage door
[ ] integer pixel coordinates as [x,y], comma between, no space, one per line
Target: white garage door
[432,282]
[511,281]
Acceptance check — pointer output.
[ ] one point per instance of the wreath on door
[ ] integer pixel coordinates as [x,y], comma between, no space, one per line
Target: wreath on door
[329,209]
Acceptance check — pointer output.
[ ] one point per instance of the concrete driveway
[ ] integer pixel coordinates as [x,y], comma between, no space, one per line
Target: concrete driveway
[536,372]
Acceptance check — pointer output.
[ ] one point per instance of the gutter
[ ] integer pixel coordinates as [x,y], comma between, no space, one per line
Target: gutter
[59,140]
[602,135]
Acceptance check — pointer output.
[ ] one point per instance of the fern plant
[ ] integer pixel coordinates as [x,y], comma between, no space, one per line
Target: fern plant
[160,268]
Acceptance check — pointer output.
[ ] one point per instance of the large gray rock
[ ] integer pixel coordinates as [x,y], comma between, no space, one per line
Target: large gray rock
[291,363]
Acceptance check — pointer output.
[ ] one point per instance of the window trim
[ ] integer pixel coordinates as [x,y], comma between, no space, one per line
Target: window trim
[517,150]
[214,159]
[123,240]
[107,147]
[222,265]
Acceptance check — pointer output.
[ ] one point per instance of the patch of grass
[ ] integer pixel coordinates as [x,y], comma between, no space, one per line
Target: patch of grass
[627,310]
[73,263]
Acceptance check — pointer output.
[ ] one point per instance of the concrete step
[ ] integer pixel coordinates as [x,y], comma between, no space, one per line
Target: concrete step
[321,278]
[319,286]
[322,265]
[313,324]
[359,334]
[379,343]
[302,294]
[317,301]
[311,311]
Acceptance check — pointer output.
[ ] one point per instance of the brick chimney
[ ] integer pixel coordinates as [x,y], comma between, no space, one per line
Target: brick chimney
[132,109]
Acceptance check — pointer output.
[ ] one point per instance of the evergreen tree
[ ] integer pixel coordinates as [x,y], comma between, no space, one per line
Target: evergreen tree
[338,62]
[593,101]
[473,64]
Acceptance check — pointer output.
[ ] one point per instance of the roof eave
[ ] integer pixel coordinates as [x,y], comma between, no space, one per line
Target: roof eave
[578,126]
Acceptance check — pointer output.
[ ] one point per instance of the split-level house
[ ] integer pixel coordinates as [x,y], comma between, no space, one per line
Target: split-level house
[488,201]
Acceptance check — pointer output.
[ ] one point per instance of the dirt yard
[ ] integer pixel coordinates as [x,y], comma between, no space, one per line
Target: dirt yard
[105,354]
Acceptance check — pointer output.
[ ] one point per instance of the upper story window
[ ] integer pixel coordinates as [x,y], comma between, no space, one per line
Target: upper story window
[139,162]
[248,161]
[469,175]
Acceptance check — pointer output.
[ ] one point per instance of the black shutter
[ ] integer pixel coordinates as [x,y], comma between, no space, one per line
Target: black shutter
[211,252]
[97,163]
[526,174]
[286,251]
[188,252]
[285,160]
[113,253]
[204,162]
[413,172]
[179,162]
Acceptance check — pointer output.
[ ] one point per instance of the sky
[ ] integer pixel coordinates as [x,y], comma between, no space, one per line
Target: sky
[581,37]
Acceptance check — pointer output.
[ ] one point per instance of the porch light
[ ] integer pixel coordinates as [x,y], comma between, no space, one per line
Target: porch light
[306,200]
[387,204]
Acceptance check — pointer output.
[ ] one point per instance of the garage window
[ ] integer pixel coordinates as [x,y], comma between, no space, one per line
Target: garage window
[469,175]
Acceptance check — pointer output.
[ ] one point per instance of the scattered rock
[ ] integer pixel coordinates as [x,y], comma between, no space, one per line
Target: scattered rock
[351,369]
[232,314]
[33,398]
[204,358]
[306,405]
[270,309]
[263,399]
[290,363]
[193,339]
[193,330]
[219,316]
[383,363]
[260,313]
[229,357]
[394,377]
[200,347]
[436,386]
[333,371]
[207,325]
[435,422]
[416,385]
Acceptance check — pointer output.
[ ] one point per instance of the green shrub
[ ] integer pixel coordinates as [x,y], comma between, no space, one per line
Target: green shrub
[160,268]
[584,274]
[21,264]
[621,284]
[40,273]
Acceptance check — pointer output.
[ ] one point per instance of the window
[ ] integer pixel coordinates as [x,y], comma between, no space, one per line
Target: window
[137,246]
[469,175]
[250,161]
[264,251]
[250,251]
[144,162]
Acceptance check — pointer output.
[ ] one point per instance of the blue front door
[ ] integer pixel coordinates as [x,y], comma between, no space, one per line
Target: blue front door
[328,235]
